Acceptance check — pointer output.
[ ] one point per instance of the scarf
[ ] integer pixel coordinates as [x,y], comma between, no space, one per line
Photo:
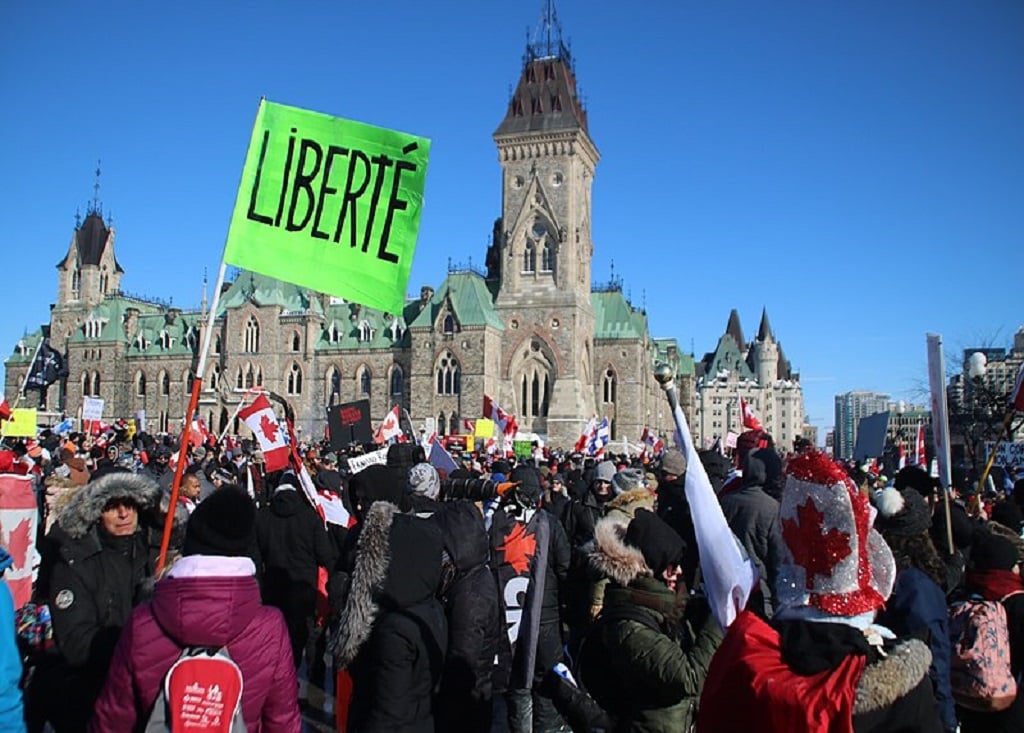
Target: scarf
[994,585]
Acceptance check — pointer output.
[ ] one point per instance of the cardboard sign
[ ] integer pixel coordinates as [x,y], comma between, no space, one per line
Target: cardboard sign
[522,448]
[349,423]
[22,423]
[1007,454]
[483,428]
[92,408]
[330,204]
[358,463]
[871,436]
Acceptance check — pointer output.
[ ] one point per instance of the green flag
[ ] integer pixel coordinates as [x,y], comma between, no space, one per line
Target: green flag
[330,204]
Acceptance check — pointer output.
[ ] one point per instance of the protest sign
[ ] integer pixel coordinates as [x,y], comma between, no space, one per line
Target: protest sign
[22,423]
[349,423]
[358,463]
[483,428]
[92,408]
[523,449]
[330,204]
[1007,454]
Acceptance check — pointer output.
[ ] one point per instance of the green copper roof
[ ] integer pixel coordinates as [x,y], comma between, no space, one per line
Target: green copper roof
[615,318]
[667,351]
[25,349]
[108,320]
[154,335]
[471,299]
[265,290]
[347,326]
[727,358]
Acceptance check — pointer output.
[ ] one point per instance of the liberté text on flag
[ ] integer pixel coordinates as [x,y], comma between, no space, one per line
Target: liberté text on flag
[330,204]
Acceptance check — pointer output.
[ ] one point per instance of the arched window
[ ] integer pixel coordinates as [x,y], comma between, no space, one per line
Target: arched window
[259,376]
[442,424]
[239,379]
[86,384]
[295,380]
[215,377]
[449,375]
[333,386]
[140,384]
[448,327]
[165,383]
[547,258]
[96,383]
[365,331]
[397,380]
[296,341]
[532,372]
[530,257]
[609,384]
[364,382]
[216,344]
[251,343]
[453,424]
[249,377]
[76,280]
[162,421]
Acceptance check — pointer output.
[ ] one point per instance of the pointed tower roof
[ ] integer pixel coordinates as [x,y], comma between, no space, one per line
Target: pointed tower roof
[735,330]
[91,239]
[764,331]
[545,98]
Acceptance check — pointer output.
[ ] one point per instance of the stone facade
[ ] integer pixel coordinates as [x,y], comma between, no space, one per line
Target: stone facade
[531,332]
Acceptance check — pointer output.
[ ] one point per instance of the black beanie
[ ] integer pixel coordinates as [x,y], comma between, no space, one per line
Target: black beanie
[660,545]
[1008,514]
[992,552]
[528,479]
[224,523]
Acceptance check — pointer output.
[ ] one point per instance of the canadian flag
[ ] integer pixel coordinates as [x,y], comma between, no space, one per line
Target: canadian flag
[198,433]
[652,444]
[585,437]
[902,462]
[260,418]
[749,421]
[919,453]
[390,428]
[1017,396]
[505,422]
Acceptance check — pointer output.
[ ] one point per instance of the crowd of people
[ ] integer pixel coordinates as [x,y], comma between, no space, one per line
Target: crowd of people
[547,593]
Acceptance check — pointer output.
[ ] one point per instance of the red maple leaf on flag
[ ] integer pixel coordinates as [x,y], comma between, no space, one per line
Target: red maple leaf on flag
[18,543]
[269,428]
[813,548]
[519,548]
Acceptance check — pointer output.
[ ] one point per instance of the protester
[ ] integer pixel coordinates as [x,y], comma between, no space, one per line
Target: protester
[209,599]
[645,660]
[392,633]
[822,663]
[101,569]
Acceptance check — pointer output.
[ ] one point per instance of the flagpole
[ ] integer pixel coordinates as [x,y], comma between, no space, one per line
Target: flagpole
[197,383]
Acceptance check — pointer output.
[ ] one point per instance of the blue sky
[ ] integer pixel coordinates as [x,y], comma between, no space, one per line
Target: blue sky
[855,167]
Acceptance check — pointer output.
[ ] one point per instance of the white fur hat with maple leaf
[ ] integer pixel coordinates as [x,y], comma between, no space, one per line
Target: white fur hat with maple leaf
[835,561]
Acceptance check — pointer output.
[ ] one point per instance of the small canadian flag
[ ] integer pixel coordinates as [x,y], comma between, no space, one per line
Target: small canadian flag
[260,418]
[749,420]
[390,428]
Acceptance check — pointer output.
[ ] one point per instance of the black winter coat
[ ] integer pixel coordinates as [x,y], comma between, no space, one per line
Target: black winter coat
[292,542]
[475,623]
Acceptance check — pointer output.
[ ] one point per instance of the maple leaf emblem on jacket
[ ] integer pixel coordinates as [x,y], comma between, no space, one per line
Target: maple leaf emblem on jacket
[269,429]
[519,548]
[814,549]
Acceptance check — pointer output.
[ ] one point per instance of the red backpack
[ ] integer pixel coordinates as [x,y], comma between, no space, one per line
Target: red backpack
[201,693]
[980,672]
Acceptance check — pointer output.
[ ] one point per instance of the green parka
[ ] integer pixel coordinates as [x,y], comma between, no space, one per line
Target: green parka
[646,659]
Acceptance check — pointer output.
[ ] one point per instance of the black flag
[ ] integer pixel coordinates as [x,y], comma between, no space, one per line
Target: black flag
[47,368]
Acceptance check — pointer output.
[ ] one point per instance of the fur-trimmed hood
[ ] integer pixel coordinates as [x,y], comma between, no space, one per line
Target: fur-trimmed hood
[629,501]
[892,677]
[85,508]
[612,557]
[397,565]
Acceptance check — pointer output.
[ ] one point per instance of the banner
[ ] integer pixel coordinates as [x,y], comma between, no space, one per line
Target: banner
[1007,454]
[22,423]
[19,522]
[349,423]
[92,408]
[358,463]
[330,204]
[461,443]
[940,411]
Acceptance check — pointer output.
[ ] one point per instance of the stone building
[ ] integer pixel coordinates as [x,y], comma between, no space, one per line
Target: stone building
[531,331]
[759,372]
